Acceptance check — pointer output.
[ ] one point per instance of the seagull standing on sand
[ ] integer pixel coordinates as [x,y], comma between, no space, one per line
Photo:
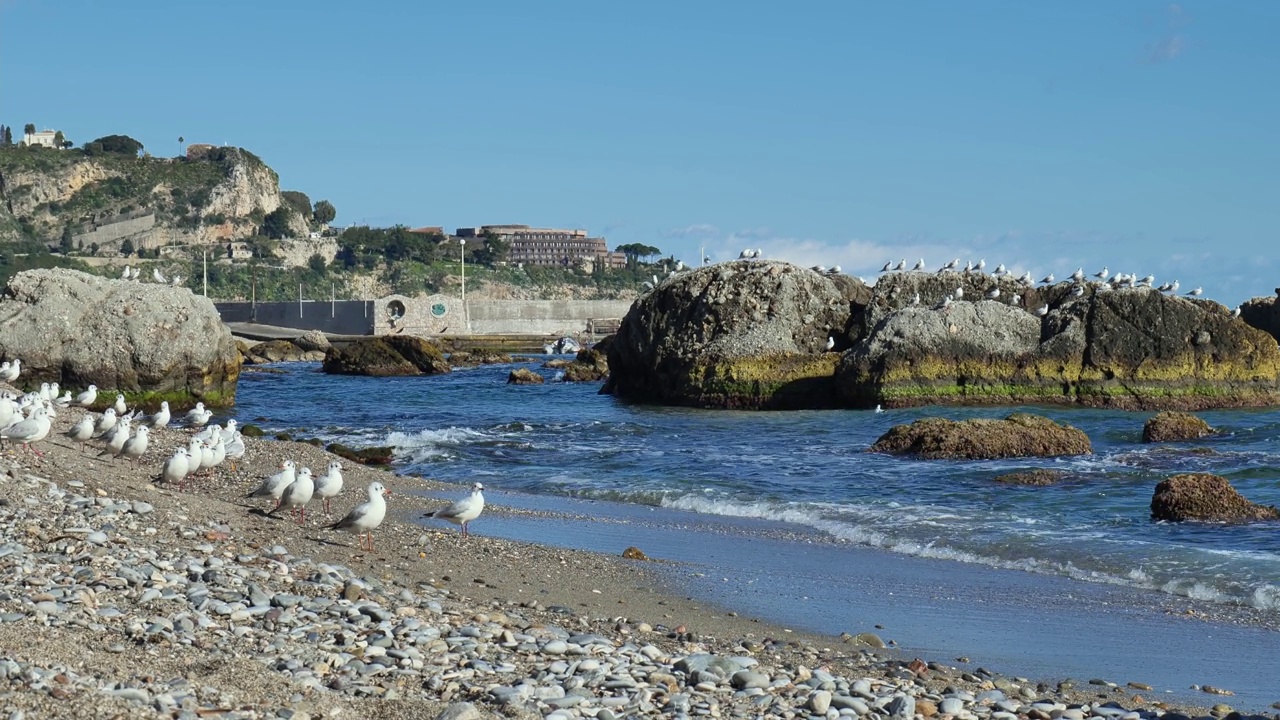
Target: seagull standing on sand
[367,516]
[11,373]
[161,417]
[463,511]
[176,468]
[297,495]
[115,444]
[120,407]
[105,423]
[86,398]
[273,487]
[81,431]
[136,446]
[33,429]
[235,449]
[198,416]
[329,484]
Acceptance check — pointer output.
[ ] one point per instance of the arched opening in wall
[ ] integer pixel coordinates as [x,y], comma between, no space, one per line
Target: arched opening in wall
[395,310]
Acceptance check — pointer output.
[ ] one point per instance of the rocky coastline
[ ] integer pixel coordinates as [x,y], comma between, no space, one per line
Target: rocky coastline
[126,597]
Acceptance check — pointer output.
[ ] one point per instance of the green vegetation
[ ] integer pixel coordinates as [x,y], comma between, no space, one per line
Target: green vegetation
[324,212]
[113,144]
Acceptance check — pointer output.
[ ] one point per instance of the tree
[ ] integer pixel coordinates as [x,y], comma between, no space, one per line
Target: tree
[6,135]
[324,212]
[276,224]
[59,139]
[29,129]
[67,243]
[638,250]
[116,144]
[126,247]
[297,200]
[316,263]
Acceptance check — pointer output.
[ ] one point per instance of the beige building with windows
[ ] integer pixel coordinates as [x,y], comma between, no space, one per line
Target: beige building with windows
[44,138]
[549,246]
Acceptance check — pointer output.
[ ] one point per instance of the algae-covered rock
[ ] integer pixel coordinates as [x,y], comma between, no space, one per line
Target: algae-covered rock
[364,456]
[1201,496]
[77,329]
[1123,348]
[386,355]
[738,334]
[1169,426]
[472,358]
[1019,435]
[591,363]
[524,376]
[1032,477]
[273,351]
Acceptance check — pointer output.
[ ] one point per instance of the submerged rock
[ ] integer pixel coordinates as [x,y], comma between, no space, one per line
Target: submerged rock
[386,355]
[75,329]
[472,358]
[1201,496]
[738,334]
[365,456]
[1129,349]
[1019,435]
[1169,426]
[1032,477]
[524,376]
[273,351]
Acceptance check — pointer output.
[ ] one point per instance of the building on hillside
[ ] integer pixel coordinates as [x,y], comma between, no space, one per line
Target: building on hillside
[549,246]
[44,138]
[428,230]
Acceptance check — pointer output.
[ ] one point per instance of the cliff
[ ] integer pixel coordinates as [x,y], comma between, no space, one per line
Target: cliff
[105,199]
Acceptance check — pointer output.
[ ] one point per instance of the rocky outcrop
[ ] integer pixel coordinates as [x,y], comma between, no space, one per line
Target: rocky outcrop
[738,334]
[78,329]
[1201,496]
[524,376]
[1129,349]
[384,356]
[1034,477]
[1019,435]
[1169,426]
[591,364]
[313,341]
[473,358]
[1263,313]
[274,351]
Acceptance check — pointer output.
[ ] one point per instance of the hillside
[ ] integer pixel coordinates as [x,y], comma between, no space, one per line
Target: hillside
[99,200]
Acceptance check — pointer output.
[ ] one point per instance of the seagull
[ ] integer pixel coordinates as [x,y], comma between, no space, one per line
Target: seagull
[126,273]
[879,409]
[176,281]
[235,449]
[745,254]
[115,444]
[1078,275]
[818,269]
[1236,313]
[161,417]
[1047,279]
[209,433]
[1042,310]
[158,276]
[958,294]
[949,266]
[1102,274]
[1147,280]
[1174,287]
[1026,278]
[1000,270]
[106,422]
[136,446]
[919,266]
[297,495]
[1195,293]
[981,264]
[81,431]
[1079,291]
[887,267]
[120,406]
[33,429]
[993,293]
[273,487]
[943,304]
[367,516]
[198,416]
[831,343]
[229,431]
[64,401]
[86,398]
[915,299]
[463,511]
[968,266]
[902,264]
[835,270]
[176,468]
[330,484]
[1015,299]
[11,374]
[1164,287]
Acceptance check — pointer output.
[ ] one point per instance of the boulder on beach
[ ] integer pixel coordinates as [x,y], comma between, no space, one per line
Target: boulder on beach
[1201,496]
[1127,349]
[1019,435]
[524,376]
[75,329]
[313,341]
[743,334]
[384,356]
[1170,426]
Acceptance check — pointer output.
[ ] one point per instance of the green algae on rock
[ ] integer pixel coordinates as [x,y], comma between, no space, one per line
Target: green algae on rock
[385,356]
[1019,435]
[1170,426]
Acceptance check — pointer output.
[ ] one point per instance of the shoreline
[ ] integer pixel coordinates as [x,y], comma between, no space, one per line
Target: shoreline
[505,624]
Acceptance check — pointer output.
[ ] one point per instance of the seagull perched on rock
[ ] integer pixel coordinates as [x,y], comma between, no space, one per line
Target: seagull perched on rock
[126,273]
[1195,293]
[176,281]
[943,304]
[1078,291]
[949,266]
[367,516]
[831,343]
[463,511]
[1047,279]
[1102,274]
[993,293]
[1236,313]
[1078,275]
[1015,300]
[887,267]
[981,264]
[1164,287]
[958,293]
[835,270]
[918,266]
[1042,310]
[158,276]
[902,265]
[10,370]
[1174,287]
[915,299]
[999,270]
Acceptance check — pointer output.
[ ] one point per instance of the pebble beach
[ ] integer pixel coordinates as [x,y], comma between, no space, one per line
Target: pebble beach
[124,597]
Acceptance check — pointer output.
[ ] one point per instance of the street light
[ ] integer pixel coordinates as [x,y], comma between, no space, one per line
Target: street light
[466,319]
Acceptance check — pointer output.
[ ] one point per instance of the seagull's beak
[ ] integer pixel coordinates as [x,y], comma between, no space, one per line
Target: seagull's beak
[386,491]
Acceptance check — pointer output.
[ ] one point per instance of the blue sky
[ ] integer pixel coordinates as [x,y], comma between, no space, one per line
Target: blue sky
[1140,135]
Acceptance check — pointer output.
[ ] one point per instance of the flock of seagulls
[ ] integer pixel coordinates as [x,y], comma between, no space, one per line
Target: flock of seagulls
[133,273]
[126,434]
[1103,281]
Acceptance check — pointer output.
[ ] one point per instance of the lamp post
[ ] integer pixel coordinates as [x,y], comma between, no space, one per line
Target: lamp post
[466,318]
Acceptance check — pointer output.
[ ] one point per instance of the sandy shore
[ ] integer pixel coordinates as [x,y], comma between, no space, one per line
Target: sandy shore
[123,597]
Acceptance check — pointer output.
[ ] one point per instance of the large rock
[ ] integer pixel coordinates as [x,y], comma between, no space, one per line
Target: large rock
[76,329]
[1019,435]
[274,351]
[733,335]
[591,363]
[313,341]
[1129,349]
[386,355]
[1201,496]
[1169,426]
[1263,313]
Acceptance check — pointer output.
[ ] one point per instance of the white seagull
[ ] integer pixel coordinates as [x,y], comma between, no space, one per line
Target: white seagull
[919,266]
[86,398]
[158,276]
[367,516]
[1078,275]
[1047,279]
[33,429]
[330,484]
[120,407]
[1102,274]
[1042,310]
[887,267]
[1195,293]
[831,343]
[463,511]
[161,417]
[297,495]
[136,446]
[993,293]
[81,431]
[176,468]
[11,373]
[235,449]
[273,487]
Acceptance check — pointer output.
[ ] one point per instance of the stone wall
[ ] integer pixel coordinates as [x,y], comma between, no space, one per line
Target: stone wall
[116,232]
